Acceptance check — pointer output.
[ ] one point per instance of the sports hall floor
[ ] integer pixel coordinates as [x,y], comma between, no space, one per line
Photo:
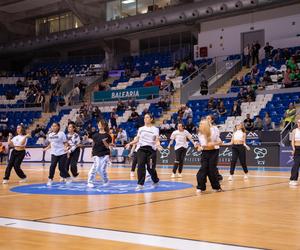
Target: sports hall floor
[263,212]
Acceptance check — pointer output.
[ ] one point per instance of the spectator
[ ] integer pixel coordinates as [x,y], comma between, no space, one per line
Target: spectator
[172,125]
[221,109]
[236,109]
[235,82]
[188,113]
[132,104]
[247,56]
[268,50]
[79,121]
[164,128]
[121,106]
[190,126]
[113,119]
[250,94]
[157,81]
[97,114]
[291,63]
[267,122]
[242,95]
[2,151]
[258,124]
[211,105]
[290,116]
[82,88]
[162,104]
[135,73]
[248,123]
[255,53]
[75,95]
[121,137]
[134,116]
[287,81]
[270,70]
[254,72]
[181,112]
[203,86]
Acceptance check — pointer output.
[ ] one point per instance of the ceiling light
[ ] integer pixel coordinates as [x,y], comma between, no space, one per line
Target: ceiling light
[128,1]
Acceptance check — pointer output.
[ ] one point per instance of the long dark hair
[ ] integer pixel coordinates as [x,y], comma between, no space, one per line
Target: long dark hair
[105,125]
[58,125]
[74,126]
[23,129]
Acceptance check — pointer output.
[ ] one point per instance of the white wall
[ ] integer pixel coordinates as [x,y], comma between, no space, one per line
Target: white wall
[277,24]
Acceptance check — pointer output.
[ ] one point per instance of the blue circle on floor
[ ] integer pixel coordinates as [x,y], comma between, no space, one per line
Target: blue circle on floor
[114,187]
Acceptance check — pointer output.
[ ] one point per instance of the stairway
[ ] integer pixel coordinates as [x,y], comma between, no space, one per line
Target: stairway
[224,89]
[41,121]
[175,105]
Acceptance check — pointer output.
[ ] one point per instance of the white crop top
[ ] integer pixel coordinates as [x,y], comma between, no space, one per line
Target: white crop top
[17,141]
[238,135]
[297,135]
[181,138]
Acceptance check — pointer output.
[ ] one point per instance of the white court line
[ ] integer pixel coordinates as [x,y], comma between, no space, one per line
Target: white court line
[118,236]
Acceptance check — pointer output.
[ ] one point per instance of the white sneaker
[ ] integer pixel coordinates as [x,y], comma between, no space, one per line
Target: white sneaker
[5,181]
[199,191]
[179,175]
[105,184]
[173,175]
[246,177]
[23,180]
[218,190]
[230,178]
[90,185]
[62,179]
[49,183]
[148,178]
[131,173]
[155,185]
[293,183]
[68,180]
[139,188]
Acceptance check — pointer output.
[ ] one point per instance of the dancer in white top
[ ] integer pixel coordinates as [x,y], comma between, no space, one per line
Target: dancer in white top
[148,139]
[208,141]
[296,153]
[239,147]
[17,155]
[181,138]
[58,145]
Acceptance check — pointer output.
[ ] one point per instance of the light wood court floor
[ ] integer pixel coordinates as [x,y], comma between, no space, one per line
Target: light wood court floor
[263,212]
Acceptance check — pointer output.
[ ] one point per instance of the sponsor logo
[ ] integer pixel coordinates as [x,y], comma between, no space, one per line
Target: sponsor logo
[229,135]
[28,155]
[260,154]
[125,94]
[164,153]
[252,135]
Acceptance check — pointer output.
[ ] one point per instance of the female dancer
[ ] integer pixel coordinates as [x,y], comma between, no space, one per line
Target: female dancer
[208,140]
[58,145]
[73,149]
[17,155]
[100,153]
[211,120]
[296,154]
[148,139]
[181,137]
[239,147]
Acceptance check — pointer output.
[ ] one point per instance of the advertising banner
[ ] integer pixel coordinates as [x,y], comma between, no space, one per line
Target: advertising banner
[286,157]
[137,93]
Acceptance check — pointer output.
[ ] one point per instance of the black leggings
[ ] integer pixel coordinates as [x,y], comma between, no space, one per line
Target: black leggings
[295,168]
[180,155]
[238,152]
[15,161]
[61,160]
[135,162]
[208,169]
[144,156]
[72,162]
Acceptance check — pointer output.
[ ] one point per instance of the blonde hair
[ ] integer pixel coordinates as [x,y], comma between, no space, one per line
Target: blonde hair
[242,127]
[204,129]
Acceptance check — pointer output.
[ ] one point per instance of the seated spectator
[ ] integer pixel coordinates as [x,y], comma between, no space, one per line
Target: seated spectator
[132,103]
[211,104]
[181,112]
[79,121]
[113,119]
[121,137]
[112,134]
[236,109]
[162,104]
[164,128]
[96,113]
[270,70]
[134,116]
[267,122]
[190,126]
[254,71]
[172,125]
[250,94]
[188,113]
[290,116]
[203,86]
[121,106]
[258,124]
[221,109]
[82,87]
[248,123]
[242,95]
[148,84]
[236,82]
[261,86]
[291,63]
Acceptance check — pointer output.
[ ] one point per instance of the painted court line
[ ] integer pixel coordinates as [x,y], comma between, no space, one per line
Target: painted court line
[126,237]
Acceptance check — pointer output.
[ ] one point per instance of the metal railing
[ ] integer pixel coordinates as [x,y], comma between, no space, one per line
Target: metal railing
[285,132]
